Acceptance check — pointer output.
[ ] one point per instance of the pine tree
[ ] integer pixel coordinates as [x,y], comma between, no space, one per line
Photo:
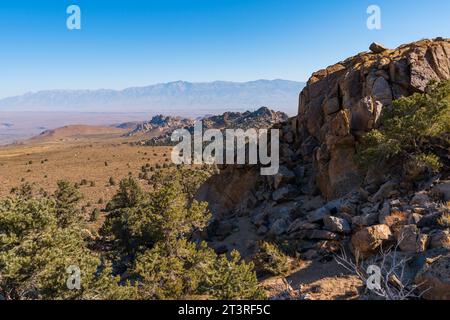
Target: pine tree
[36,252]
[67,199]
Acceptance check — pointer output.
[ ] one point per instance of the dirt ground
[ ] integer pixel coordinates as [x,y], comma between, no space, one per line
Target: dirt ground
[317,280]
[94,158]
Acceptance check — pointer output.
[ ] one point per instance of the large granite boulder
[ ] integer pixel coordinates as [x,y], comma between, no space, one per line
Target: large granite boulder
[345,100]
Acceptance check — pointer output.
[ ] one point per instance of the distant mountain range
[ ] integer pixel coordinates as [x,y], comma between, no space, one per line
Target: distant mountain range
[180,97]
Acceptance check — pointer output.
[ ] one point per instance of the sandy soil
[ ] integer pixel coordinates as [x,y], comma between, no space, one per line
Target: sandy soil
[95,158]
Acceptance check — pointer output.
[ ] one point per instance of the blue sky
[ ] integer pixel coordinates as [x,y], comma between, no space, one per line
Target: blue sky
[126,43]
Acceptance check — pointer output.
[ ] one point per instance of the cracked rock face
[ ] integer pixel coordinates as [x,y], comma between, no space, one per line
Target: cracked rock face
[345,100]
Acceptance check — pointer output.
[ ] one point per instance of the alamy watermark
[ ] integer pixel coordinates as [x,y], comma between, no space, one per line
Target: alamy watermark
[73,21]
[236,147]
[74,280]
[374,19]
[373,281]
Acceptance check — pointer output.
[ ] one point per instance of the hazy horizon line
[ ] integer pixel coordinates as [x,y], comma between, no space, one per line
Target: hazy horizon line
[144,86]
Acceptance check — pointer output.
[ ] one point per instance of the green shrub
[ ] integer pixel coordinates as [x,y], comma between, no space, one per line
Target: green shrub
[410,131]
[151,229]
[147,236]
[173,270]
[179,269]
[25,190]
[270,259]
[137,220]
[429,162]
[35,252]
[67,198]
[189,180]
[95,215]
[234,279]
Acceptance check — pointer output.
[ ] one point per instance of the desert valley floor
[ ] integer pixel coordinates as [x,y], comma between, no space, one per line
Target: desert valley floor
[91,158]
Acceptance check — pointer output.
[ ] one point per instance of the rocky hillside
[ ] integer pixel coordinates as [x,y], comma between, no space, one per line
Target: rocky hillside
[261,118]
[322,200]
[343,101]
[161,127]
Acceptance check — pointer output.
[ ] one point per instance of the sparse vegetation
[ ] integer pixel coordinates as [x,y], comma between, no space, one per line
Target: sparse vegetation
[39,242]
[444,220]
[270,259]
[394,283]
[150,229]
[95,215]
[412,132]
[179,269]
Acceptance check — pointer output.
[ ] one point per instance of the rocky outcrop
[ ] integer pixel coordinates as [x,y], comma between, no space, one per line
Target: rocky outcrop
[377,48]
[345,100]
[159,124]
[261,118]
[368,240]
[225,190]
[160,128]
[319,202]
